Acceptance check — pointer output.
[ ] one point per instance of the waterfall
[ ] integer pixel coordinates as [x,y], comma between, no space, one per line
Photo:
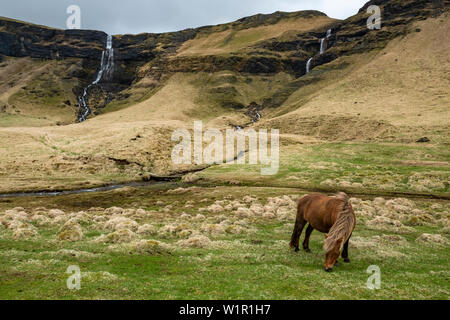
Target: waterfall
[323,47]
[324,42]
[308,65]
[110,54]
[106,71]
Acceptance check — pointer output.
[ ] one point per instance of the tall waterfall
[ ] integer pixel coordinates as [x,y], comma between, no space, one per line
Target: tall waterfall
[106,71]
[323,47]
[324,42]
[308,65]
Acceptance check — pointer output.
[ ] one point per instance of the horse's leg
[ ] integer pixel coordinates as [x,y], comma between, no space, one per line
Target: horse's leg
[309,230]
[298,229]
[345,252]
[299,225]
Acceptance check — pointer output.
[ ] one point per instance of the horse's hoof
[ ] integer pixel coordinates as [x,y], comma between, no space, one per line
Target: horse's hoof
[297,249]
[347,260]
[329,269]
[308,250]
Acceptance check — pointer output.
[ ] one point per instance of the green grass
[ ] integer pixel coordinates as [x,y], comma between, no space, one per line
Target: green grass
[255,265]
[381,168]
[17,120]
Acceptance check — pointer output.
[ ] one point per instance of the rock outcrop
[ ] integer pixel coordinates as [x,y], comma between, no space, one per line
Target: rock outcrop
[158,52]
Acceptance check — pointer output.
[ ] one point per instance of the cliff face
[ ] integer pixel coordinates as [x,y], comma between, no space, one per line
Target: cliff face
[157,56]
[352,35]
[20,39]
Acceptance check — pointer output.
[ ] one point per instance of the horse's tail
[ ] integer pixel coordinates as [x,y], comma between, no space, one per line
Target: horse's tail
[299,224]
[344,226]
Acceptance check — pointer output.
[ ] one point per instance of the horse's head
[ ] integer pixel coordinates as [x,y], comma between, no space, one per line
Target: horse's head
[333,255]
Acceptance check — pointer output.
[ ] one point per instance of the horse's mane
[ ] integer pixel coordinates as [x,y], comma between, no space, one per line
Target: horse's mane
[344,225]
[342,196]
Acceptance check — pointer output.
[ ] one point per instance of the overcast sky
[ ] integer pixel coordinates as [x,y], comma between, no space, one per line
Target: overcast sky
[136,16]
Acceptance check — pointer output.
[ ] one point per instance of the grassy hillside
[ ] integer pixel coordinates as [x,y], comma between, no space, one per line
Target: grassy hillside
[379,96]
[235,37]
[391,85]
[34,93]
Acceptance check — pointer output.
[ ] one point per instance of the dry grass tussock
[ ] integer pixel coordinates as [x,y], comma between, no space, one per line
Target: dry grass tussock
[191,178]
[147,230]
[70,231]
[433,239]
[120,236]
[376,241]
[384,246]
[119,223]
[18,221]
[197,241]
[100,276]
[24,224]
[68,253]
[150,247]
[398,214]
[131,230]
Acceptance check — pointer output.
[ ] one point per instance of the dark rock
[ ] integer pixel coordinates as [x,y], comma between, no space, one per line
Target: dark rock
[23,39]
[423,140]
[258,65]
[233,105]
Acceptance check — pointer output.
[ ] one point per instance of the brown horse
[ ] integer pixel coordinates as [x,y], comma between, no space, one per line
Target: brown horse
[331,215]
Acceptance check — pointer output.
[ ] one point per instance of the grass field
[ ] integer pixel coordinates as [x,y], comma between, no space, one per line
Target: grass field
[213,243]
[349,125]
[370,168]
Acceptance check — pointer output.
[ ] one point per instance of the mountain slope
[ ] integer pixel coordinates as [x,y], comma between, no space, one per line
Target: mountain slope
[404,87]
[367,86]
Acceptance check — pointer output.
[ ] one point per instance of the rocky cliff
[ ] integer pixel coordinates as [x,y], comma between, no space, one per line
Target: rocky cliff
[157,56]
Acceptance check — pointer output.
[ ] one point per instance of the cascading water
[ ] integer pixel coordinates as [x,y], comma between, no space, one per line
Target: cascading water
[105,72]
[324,42]
[323,47]
[308,65]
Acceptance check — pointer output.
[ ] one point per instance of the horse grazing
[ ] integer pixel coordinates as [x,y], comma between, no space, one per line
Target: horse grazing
[333,216]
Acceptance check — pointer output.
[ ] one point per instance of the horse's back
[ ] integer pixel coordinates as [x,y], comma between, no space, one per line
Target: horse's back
[319,210]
